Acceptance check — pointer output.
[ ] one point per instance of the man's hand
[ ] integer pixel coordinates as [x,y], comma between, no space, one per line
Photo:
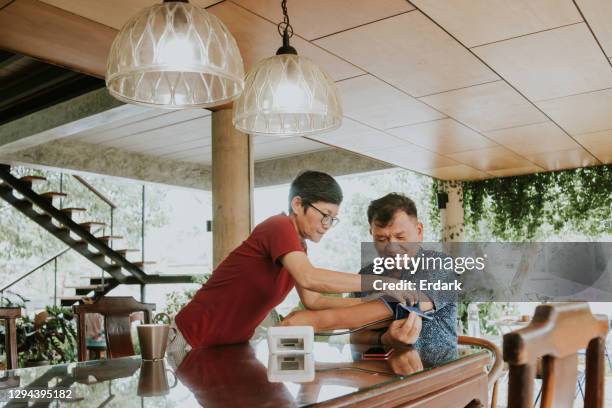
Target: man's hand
[405,362]
[403,332]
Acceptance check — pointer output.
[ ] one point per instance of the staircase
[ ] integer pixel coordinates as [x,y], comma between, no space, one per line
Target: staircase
[80,237]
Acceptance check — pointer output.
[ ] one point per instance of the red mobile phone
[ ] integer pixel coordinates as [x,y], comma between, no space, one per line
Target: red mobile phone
[377,353]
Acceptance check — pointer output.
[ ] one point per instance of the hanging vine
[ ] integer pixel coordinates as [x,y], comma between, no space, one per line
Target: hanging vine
[516,207]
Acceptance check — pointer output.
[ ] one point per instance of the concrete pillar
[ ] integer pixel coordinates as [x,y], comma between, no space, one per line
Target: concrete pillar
[232,185]
[452,216]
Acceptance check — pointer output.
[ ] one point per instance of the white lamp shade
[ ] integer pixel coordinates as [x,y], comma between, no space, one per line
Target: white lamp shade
[175,55]
[287,95]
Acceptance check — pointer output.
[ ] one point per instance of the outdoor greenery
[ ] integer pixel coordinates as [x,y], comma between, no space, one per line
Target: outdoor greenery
[49,338]
[177,299]
[540,206]
[523,208]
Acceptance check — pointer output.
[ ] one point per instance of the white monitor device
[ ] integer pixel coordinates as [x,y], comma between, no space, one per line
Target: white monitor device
[291,367]
[290,339]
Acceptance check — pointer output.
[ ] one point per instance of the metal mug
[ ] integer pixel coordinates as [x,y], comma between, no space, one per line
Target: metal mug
[153,381]
[153,338]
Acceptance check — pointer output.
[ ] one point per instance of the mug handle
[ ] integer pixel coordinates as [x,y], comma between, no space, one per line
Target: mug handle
[162,314]
[174,376]
[173,329]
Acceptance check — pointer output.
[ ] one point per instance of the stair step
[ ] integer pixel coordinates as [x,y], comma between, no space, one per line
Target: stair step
[105,238]
[73,298]
[110,237]
[33,179]
[106,276]
[143,263]
[88,287]
[69,210]
[125,251]
[52,194]
[88,225]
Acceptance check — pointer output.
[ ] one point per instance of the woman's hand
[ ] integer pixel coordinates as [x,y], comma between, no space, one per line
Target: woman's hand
[301,318]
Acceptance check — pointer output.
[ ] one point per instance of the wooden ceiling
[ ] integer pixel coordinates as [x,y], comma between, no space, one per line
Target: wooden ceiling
[456,89]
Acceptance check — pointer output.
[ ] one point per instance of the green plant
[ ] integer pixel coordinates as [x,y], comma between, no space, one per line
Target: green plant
[177,299]
[488,313]
[516,208]
[54,340]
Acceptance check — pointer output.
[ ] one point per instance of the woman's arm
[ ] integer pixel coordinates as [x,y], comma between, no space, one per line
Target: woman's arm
[327,281]
[316,301]
[340,318]
[317,279]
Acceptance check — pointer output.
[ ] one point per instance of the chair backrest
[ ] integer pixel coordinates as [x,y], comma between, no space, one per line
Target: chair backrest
[9,315]
[116,312]
[496,367]
[556,333]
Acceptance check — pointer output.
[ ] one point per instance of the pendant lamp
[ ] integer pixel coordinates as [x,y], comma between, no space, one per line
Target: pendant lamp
[175,55]
[287,94]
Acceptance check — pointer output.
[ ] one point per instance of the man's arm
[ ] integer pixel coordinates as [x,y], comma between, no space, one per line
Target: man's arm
[316,301]
[340,318]
[401,332]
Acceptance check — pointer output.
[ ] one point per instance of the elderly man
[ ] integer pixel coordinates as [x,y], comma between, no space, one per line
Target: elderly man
[395,228]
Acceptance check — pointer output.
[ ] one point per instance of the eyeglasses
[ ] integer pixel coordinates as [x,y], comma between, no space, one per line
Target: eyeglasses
[327,220]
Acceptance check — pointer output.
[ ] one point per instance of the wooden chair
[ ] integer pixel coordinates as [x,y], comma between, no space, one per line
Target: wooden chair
[496,368]
[556,334]
[10,315]
[116,312]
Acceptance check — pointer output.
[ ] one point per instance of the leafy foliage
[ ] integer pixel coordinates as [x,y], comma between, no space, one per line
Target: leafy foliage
[177,299]
[53,340]
[515,208]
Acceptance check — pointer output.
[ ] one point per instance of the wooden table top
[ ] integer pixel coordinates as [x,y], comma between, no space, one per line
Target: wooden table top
[243,375]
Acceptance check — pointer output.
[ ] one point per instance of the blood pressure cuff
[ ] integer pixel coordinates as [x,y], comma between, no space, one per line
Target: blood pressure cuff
[401,311]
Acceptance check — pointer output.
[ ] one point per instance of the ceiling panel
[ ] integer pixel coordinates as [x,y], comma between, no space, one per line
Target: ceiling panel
[410,52]
[550,64]
[113,13]
[599,144]
[411,157]
[493,158]
[476,22]
[598,14]
[442,136]
[89,136]
[585,113]
[316,18]
[139,126]
[566,159]
[518,171]
[286,147]
[177,147]
[457,172]
[487,107]
[371,101]
[358,137]
[259,39]
[533,139]
[178,132]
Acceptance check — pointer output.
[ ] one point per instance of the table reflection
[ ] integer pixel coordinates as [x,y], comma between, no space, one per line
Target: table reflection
[237,375]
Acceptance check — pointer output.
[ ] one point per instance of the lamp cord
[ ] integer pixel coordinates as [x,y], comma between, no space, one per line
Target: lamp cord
[284,27]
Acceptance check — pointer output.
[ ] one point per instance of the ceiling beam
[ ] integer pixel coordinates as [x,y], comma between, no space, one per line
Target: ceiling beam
[53,35]
[79,157]
[64,119]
